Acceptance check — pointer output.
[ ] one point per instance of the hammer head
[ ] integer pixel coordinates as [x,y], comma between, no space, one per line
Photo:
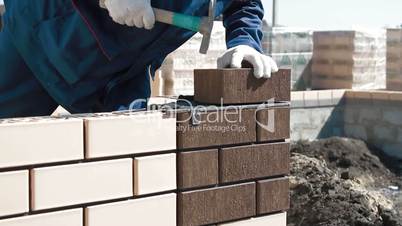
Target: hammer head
[206,27]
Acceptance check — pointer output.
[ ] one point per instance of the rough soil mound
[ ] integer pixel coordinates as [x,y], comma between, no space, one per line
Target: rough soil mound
[339,182]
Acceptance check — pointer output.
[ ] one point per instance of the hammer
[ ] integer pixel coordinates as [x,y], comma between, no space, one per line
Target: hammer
[203,25]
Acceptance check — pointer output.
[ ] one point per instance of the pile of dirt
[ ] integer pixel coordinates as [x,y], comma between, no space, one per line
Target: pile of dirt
[339,182]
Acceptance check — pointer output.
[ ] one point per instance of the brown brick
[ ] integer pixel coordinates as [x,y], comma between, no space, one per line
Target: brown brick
[216,205]
[197,168]
[273,195]
[239,86]
[281,127]
[253,161]
[211,133]
[394,85]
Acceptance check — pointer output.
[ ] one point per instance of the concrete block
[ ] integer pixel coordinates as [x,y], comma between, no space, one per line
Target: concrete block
[151,211]
[239,86]
[273,195]
[383,133]
[380,95]
[273,124]
[300,116]
[229,203]
[271,220]
[369,115]
[399,138]
[67,185]
[337,96]
[396,96]
[31,141]
[14,192]
[311,99]
[122,134]
[393,149]
[197,168]
[297,99]
[393,116]
[155,173]
[351,114]
[253,161]
[62,218]
[325,98]
[355,131]
[217,127]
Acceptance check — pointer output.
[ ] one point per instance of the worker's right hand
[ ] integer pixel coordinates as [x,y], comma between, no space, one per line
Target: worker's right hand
[137,13]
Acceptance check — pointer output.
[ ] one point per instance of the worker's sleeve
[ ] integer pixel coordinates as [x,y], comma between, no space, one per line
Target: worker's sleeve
[243,23]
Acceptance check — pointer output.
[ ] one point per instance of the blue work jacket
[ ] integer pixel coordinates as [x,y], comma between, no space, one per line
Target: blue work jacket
[88,63]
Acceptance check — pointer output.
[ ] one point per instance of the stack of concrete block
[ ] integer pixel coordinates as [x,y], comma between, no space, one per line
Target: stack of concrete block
[291,48]
[394,59]
[233,160]
[348,60]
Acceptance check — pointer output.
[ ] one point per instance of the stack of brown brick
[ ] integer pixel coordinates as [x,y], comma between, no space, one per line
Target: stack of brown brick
[394,59]
[348,60]
[233,160]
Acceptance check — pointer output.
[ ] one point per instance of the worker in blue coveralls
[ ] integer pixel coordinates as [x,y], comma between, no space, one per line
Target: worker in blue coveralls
[91,56]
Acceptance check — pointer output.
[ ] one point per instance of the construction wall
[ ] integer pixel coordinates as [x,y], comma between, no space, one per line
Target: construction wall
[189,166]
[375,117]
[316,114]
[372,116]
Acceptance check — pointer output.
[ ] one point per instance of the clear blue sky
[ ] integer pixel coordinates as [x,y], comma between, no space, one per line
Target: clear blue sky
[338,14]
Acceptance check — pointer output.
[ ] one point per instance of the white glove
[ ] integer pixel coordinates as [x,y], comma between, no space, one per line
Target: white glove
[102,4]
[137,13]
[263,65]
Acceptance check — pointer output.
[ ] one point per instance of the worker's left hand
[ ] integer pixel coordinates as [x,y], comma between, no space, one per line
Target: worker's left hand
[263,65]
[137,13]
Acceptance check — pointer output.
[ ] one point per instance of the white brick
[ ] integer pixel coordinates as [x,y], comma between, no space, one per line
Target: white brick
[34,141]
[297,99]
[154,174]
[337,96]
[272,220]
[152,211]
[311,99]
[129,134]
[81,183]
[325,98]
[14,192]
[63,218]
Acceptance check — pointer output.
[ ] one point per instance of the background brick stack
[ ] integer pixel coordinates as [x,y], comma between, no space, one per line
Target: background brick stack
[394,59]
[232,168]
[348,59]
[291,48]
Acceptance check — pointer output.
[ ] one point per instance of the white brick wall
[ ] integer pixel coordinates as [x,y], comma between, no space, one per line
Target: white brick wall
[81,183]
[14,192]
[154,174]
[274,220]
[63,218]
[152,211]
[129,134]
[33,141]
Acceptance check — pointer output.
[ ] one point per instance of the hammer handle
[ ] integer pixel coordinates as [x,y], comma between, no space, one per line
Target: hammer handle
[188,22]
